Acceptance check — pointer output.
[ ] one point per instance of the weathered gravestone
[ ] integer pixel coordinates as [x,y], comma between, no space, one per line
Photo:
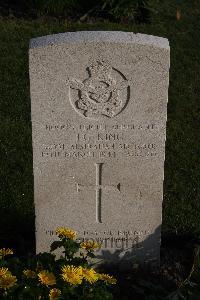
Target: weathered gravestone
[99,109]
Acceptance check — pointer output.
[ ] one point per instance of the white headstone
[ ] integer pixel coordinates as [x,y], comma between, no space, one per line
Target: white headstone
[99,110]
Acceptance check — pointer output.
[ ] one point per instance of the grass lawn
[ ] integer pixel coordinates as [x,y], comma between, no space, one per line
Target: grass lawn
[181,207]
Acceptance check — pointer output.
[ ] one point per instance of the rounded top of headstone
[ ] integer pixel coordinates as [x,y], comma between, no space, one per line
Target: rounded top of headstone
[100,36]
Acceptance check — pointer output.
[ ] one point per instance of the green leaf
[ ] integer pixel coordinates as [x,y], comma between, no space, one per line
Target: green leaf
[90,254]
[55,245]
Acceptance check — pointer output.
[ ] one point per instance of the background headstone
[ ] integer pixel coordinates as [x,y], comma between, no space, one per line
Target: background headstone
[99,109]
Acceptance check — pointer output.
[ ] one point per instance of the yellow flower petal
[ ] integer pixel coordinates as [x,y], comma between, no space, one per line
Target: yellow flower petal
[107,279]
[72,275]
[90,245]
[54,294]
[4,271]
[90,275]
[47,278]
[4,252]
[7,281]
[66,232]
[29,273]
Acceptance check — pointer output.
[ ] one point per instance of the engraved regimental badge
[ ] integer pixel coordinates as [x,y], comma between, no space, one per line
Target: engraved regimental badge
[105,93]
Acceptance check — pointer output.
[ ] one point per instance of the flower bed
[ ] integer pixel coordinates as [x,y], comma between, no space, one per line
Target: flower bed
[45,277]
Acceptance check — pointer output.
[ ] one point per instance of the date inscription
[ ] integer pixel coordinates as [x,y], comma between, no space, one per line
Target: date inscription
[100,141]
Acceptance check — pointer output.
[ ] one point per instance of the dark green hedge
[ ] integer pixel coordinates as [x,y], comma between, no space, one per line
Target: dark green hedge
[123,10]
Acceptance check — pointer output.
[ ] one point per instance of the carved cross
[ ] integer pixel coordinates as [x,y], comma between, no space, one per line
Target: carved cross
[98,188]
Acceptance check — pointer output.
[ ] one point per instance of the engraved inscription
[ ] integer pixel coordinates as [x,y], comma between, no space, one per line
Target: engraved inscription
[115,242]
[104,93]
[121,239]
[100,127]
[101,141]
[81,150]
[98,187]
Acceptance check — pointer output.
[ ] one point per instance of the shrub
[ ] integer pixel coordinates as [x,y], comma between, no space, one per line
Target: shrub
[135,10]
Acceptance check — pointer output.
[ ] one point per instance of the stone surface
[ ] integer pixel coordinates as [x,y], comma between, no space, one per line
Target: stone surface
[99,109]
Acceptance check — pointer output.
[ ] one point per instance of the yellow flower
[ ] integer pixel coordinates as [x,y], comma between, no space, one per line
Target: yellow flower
[54,294]
[7,280]
[90,245]
[4,252]
[71,274]
[47,278]
[90,275]
[66,232]
[4,271]
[107,278]
[29,273]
